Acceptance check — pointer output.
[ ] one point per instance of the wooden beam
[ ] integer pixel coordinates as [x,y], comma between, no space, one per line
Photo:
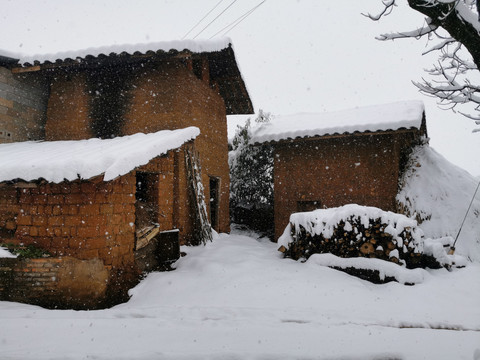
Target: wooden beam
[20,70]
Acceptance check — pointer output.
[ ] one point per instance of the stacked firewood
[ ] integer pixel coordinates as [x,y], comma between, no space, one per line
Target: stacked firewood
[352,238]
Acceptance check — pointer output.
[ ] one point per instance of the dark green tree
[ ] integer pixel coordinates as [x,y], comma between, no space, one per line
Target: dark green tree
[251,177]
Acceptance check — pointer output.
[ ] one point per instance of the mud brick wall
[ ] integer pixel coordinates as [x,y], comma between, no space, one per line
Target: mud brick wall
[54,282]
[331,172]
[23,103]
[9,209]
[82,219]
[172,97]
[68,108]
[165,95]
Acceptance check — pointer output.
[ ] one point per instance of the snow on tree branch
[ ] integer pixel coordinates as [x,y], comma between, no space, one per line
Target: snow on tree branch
[455,24]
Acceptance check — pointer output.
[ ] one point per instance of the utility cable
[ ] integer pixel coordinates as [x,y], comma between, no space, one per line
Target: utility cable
[203,18]
[237,21]
[233,27]
[210,23]
[452,249]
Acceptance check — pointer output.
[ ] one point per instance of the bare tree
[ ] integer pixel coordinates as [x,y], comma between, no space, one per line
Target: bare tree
[454,27]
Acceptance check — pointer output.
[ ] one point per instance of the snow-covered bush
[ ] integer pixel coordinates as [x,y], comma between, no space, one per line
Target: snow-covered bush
[356,231]
[251,179]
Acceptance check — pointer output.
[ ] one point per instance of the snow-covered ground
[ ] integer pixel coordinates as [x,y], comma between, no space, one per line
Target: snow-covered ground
[237,298]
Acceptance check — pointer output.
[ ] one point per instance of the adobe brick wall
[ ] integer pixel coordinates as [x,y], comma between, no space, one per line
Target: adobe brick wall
[172,97]
[68,108]
[82,219]
[337,171]
[162,96]
[54,282]
[23,102]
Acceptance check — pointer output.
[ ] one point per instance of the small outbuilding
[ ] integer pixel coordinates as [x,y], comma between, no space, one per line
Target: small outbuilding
[95,200]
[332,159]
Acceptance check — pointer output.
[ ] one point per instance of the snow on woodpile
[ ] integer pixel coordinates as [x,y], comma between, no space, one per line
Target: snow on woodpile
[405,114]
[56,161]
[195,46]
[354,231]
[438,193]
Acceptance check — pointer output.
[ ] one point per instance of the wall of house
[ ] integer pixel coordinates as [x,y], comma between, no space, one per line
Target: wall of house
[68,108]
[54,282]
[23,102]
[83,219]
[172,97]
[165,95]
[331,172]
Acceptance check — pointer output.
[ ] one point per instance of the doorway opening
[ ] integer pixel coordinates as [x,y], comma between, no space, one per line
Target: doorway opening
[214,201]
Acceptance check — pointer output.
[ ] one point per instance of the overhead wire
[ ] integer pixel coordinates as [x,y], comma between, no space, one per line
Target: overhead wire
[203,18]
[237,21]
[210,23]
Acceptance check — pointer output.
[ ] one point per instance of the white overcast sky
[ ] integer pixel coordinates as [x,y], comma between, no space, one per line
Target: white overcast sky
[295,55]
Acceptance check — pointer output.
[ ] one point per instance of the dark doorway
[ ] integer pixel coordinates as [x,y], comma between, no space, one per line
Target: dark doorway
[214,201]
[146,205]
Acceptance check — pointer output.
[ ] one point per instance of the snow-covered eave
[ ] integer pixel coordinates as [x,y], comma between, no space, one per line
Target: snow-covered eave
[58,161]
[288,139]
[162,47]
[393,118]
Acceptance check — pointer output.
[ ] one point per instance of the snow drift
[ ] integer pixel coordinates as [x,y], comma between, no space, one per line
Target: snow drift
[437,193]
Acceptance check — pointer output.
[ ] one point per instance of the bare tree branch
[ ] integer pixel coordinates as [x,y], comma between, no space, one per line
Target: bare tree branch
[458,51]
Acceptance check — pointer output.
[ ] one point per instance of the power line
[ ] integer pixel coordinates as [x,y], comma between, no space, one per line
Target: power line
[237,21]
[203,18]
[210,23]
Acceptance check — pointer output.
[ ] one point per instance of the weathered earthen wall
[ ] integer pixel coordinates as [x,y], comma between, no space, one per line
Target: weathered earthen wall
[54,282]
[163,96]
[82,219]
[172,97]
[68,108]
[23,101]
[332,172]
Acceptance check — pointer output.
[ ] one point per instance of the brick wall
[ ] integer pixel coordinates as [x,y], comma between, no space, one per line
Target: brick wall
[68,108]
[54,282]
[23,101]
[83,219]
[172,97]
[162,96]
[332,172]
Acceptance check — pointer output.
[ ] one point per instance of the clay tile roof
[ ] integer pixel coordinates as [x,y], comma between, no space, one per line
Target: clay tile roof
[386,117]
[224,71]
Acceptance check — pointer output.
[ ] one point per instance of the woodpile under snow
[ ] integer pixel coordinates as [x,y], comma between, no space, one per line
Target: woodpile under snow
[357,231]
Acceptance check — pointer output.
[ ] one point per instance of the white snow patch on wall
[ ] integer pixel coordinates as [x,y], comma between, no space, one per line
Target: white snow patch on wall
[404,114]
[56,161]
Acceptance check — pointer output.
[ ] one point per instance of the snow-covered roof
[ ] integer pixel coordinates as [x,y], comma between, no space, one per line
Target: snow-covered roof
[223,67]
[194,46]
[56,161]
[394,116]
